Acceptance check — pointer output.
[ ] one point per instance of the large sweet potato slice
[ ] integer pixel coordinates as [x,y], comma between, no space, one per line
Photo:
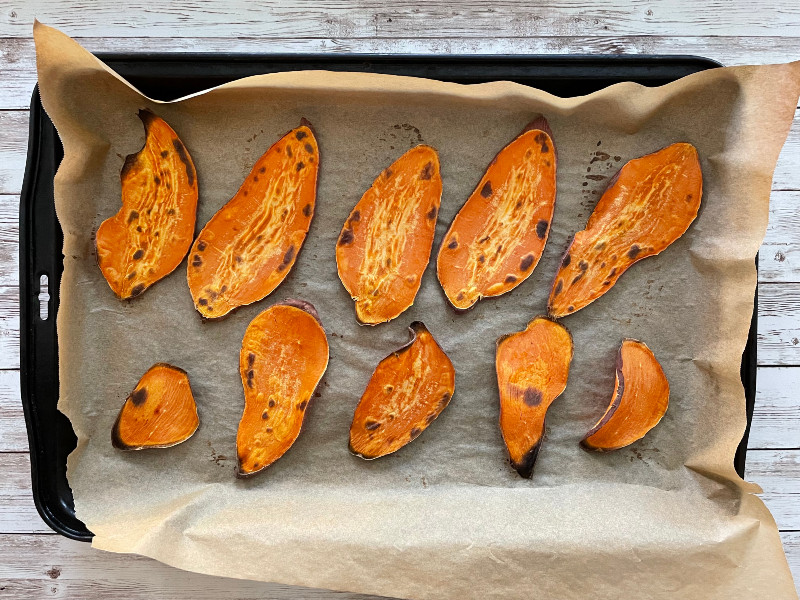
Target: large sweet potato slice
[641,397]
[407,391]
[284,355]
[648,205]
[497,238]
[386,241]
[159,413]
[532,369]
[247,248]
[153,230]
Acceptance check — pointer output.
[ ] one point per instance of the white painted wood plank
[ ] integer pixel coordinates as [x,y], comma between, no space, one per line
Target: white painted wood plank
[17,511]
[46,566]
[17,55]
[779,257]
[9,239]
[13,436]
[778,473]
[406,18]
[791,545]
[9,327]
[13,150]
[776,418]
[779,324]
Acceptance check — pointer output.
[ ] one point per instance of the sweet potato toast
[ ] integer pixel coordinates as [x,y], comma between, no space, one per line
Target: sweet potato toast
[641,398]
[284,355]
[159,413]
[498,236]
[149,236]
[407,391]
[648,205]
[532,370]
[385,244]
[246,250]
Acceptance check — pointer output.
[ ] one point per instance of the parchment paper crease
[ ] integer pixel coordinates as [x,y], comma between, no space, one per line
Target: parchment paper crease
[445,517]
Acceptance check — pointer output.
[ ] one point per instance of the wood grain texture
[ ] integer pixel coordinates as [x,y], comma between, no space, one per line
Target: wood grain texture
[776,418]
[13,436]
[407,18]
[47,566]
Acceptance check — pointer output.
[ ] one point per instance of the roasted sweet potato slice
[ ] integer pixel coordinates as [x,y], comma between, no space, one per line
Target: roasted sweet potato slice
[153,230]
[159,413]
[386,241]
[497,238]
[284,355]
[648,205]
[532,369]
[641,397]
[407,391]
[247,248]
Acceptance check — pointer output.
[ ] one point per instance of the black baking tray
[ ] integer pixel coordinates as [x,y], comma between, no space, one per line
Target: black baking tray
[170,76]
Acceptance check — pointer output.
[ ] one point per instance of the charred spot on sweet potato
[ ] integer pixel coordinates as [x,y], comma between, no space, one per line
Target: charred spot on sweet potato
[385,243]
[407,391]
[532,370]
[640,214]
[640,400]
[159,413]
[284,355]
[147,210]
[513,206]
[250,238]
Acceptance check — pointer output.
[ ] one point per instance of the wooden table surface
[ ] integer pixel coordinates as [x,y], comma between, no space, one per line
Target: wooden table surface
[35,562]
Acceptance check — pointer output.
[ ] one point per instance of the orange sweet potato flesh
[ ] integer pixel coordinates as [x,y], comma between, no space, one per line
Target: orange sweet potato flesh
[497,238]
[532,370]
[648,205]
[149,236]
[641,397]
[246,250]
[159,413]
[407,391]
[385,243]
[284,355]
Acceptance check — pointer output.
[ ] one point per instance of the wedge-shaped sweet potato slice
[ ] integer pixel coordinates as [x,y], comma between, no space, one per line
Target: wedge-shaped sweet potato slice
[284,356]
[532,369]
[247,248]
[386,241]
[149,236]
[407,391]
[159,413]
[497,238]
[648,205]
[641,397]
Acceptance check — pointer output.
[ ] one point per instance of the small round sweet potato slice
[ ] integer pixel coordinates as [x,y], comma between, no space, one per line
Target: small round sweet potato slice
[152,232]
[641,398]
[249,246]
[159,413]
[284,355]
[532,370]
[407,391]
[385,244]
[498,236]
[648,205]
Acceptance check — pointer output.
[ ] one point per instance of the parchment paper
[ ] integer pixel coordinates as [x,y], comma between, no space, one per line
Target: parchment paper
[445,517]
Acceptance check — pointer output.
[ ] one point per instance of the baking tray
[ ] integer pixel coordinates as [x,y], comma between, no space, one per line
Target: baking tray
[170,76]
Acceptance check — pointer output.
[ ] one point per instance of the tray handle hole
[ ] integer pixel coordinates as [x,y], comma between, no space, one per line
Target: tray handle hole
[44,297]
